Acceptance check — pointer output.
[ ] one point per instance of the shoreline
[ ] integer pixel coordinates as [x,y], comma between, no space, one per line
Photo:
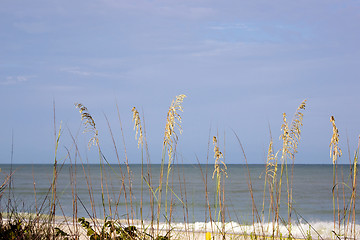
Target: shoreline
[192,231]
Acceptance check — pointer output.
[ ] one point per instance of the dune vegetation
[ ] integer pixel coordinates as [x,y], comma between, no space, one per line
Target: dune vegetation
[48,221]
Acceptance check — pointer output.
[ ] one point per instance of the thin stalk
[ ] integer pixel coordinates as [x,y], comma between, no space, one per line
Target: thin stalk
[54,180]
[72,173]
[353,192]
[36,206]
[254,209]
[101,179]
[160,185]
[167,185]
[173,119]
[333,195]
[264,194]
[182,197]
[126,157]
[87,176]
[142,186]
[11,168]
[149,175]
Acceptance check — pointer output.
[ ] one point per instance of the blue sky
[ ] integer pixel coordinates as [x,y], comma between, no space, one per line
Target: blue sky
[240,63]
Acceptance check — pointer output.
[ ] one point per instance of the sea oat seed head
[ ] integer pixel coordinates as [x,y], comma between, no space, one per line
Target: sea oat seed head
[291,136]
[271,166]
[89,124]
[137,126]
[173,119]
[335,150]
[302,105]
[217,156]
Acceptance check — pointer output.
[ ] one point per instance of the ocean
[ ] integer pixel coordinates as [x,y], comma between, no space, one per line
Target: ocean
[312,191]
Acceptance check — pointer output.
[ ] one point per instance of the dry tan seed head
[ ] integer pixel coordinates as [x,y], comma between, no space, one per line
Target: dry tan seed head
[137,126]
[217,156]
[173,120]
[291,136]
[271,163]
[285,135]
[302,105]
[89,124]
[335,150]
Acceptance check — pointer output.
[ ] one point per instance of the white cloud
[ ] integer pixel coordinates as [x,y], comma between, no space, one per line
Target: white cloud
[84,73]
[60,88]
[11,80]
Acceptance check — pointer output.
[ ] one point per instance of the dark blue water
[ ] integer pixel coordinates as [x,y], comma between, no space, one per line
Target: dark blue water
[312,191]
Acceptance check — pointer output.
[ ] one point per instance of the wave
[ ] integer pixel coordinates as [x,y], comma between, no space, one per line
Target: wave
[313,230]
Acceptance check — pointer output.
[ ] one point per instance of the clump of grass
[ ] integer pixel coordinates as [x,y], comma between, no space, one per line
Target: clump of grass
[139,131]
[220,173]
[110,230]
[18,227]
[290,137]
[348,216]
[271,171]
[173,121]
[90,127]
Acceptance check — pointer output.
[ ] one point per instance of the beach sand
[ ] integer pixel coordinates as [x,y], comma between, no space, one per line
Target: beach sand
[192,231]
[200,230]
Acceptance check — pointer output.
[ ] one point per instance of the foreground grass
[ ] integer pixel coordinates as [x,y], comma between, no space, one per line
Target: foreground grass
[267,222]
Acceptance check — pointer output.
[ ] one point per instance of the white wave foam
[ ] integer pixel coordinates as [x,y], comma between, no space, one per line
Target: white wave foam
[317,230]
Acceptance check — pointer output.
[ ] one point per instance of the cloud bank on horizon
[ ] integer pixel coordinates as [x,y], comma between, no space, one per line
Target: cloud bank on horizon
[241,64]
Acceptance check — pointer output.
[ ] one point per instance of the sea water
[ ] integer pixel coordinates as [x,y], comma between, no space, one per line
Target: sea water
[191,191]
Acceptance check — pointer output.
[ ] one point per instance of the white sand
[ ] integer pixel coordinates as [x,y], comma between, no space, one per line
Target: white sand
[233,230]
[198,230]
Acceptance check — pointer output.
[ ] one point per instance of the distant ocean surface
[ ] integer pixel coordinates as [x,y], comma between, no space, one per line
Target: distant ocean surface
[312,190]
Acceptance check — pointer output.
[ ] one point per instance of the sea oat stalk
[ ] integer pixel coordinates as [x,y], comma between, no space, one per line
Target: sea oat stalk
[290,138]
[90,126]
[139,131]
[271,180]
[173,121]
[220,195]
[335,153]
[54,181]
[353,192]
[335,150]
[295,136]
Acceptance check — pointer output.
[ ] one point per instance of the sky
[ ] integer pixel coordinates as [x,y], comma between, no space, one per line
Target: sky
[241,64]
